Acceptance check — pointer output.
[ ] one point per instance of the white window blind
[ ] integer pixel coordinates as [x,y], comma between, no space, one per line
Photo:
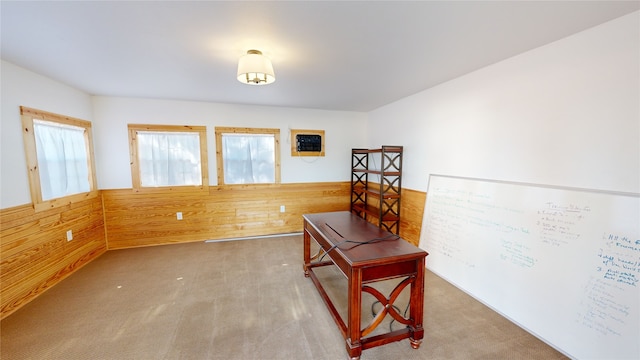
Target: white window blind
[62,156]
[169,158]
[248,158]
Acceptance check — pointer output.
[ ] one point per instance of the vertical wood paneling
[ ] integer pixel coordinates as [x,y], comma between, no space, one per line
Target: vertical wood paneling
[35,254]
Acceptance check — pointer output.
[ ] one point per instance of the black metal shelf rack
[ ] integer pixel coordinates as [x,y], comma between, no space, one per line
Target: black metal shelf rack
[375,192]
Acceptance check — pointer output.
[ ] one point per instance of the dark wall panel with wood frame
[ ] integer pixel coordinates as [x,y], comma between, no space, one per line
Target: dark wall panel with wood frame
[35,253]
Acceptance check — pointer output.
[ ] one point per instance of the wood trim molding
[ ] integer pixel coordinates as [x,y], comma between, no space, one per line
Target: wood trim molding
[28,115]
[220,130]
[133,130]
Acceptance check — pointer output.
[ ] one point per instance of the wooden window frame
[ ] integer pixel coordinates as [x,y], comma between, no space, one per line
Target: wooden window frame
[246,130]
[28,115]
[135,166]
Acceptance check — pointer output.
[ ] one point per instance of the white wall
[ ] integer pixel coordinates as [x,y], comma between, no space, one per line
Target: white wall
[110,116]
[566,114]
[343,130]
[20,87]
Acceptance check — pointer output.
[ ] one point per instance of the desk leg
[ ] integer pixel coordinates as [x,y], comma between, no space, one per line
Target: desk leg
[306,252]
[417,306]
[354,314]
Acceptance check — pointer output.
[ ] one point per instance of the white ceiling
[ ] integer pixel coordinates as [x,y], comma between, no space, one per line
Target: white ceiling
[336,55]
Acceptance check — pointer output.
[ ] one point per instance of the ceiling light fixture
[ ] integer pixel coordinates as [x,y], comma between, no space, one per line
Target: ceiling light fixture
[255,69]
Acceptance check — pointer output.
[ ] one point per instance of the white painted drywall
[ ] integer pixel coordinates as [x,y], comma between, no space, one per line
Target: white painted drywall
[565,114]
[343,130]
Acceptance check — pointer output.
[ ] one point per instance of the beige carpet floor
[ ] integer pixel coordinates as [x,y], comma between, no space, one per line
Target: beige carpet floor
[244,299]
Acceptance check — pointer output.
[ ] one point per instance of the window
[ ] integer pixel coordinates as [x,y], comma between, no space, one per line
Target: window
[59,154]
[167,156]
[248,155]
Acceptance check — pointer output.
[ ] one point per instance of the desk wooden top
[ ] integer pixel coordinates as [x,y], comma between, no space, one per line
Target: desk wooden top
[385,247]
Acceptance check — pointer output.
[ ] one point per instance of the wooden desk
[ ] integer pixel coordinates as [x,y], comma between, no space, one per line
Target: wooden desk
[364,264]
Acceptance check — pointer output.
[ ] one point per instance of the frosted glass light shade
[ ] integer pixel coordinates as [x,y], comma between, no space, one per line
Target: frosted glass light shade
[255,69]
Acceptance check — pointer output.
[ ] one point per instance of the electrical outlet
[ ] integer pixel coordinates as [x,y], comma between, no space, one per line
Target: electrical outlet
[281,208]
[69,235]
[179,215]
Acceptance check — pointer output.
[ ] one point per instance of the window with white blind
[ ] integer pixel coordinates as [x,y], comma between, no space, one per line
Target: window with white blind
[166,156]
[59,156]
[248,155]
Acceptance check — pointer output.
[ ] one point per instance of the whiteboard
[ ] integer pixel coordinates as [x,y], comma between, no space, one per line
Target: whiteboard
[562,263]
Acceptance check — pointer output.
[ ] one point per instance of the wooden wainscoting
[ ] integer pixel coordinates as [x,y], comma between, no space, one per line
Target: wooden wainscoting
[35,253]
[411,212]
[134,219]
